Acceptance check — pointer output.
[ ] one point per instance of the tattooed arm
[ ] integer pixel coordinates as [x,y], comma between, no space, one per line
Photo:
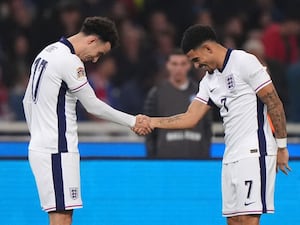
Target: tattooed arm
[268,96]
[190,118]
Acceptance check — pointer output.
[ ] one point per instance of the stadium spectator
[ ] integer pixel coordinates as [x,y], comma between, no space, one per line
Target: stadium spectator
[293,84]
[183,144]
[280,40]
[43,22]
[18,68]
[136,67]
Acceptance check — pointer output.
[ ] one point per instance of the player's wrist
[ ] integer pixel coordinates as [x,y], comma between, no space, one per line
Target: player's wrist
[281,143]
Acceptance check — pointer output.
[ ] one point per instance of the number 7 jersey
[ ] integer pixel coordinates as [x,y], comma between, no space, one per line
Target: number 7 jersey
[233,90]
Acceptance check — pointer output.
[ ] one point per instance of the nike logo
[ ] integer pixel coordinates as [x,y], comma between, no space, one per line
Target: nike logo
[248,203]
[212,90]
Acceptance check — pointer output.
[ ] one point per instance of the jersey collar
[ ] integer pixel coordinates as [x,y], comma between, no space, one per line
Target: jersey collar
[67,43]
[229,50]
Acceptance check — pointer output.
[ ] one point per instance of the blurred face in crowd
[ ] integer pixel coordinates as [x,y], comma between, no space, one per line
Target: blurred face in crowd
[94,48]
[178,67]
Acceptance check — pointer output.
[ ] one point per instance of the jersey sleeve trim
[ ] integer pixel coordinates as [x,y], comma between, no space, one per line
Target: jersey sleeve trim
[201,100]
[263,85]
[77,88]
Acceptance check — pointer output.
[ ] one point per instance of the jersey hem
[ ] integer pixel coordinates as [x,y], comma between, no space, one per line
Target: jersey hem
[53,209]
[250,212]
[46,151]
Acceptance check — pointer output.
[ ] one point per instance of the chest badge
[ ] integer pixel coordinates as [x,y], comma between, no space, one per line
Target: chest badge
[230,83]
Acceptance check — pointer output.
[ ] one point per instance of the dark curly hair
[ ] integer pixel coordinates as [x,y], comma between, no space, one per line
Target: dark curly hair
[103,27]
[196,35]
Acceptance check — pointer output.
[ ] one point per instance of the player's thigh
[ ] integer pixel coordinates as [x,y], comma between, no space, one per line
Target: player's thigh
[244,220]
[60,218]
[41,168]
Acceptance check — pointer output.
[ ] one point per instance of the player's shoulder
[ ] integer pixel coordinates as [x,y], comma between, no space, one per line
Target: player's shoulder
[241,55]
[74,60]
[243,61]
[70,61]
[62,54]
[206,78]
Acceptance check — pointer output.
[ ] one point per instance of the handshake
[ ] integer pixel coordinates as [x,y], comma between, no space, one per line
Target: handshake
[143,125]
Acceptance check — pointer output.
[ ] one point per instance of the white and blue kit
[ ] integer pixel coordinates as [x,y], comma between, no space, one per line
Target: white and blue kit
[249,161]
[56,82]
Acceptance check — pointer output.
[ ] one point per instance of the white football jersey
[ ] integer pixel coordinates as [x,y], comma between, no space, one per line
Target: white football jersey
[233,90]
[57,80]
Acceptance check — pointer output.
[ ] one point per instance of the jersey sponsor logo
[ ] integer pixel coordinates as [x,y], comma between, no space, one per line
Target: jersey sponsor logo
[80,72]
[230,83]
[74,193]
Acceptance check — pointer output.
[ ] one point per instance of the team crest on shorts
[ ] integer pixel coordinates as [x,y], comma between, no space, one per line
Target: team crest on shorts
[230,83]
[80,72]
[74,192]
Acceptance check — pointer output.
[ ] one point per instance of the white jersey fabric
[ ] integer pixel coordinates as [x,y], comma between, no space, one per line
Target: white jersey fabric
[233,90]
[57,80]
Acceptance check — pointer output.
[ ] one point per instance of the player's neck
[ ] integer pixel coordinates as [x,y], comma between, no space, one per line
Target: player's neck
[220,57]
[76,41]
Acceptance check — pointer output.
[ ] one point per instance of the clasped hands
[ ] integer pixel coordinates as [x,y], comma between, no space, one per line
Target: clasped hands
[142,125]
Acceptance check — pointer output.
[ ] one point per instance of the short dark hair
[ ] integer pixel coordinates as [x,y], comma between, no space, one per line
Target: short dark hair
[196,35]
[102,27]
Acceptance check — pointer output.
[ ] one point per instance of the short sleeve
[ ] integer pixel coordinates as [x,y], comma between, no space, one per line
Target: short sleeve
[74,74]
[254,73]
[202,94]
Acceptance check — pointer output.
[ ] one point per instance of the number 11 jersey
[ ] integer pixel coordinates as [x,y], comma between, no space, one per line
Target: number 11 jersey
[49,104]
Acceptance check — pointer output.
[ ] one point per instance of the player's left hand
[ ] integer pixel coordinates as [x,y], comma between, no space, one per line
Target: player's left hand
[282,161]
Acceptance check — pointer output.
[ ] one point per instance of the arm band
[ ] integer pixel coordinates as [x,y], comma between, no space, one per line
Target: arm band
[281,142]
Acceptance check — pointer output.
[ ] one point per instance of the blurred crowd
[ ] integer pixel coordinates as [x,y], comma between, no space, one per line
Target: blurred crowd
[149,30]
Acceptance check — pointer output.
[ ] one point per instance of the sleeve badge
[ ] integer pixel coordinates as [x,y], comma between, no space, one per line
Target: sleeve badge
[80,72]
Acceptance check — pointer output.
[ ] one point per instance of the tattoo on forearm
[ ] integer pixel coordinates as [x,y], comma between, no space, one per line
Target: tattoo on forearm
[169,119]
[169,122]
[173,118]
[276,113]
